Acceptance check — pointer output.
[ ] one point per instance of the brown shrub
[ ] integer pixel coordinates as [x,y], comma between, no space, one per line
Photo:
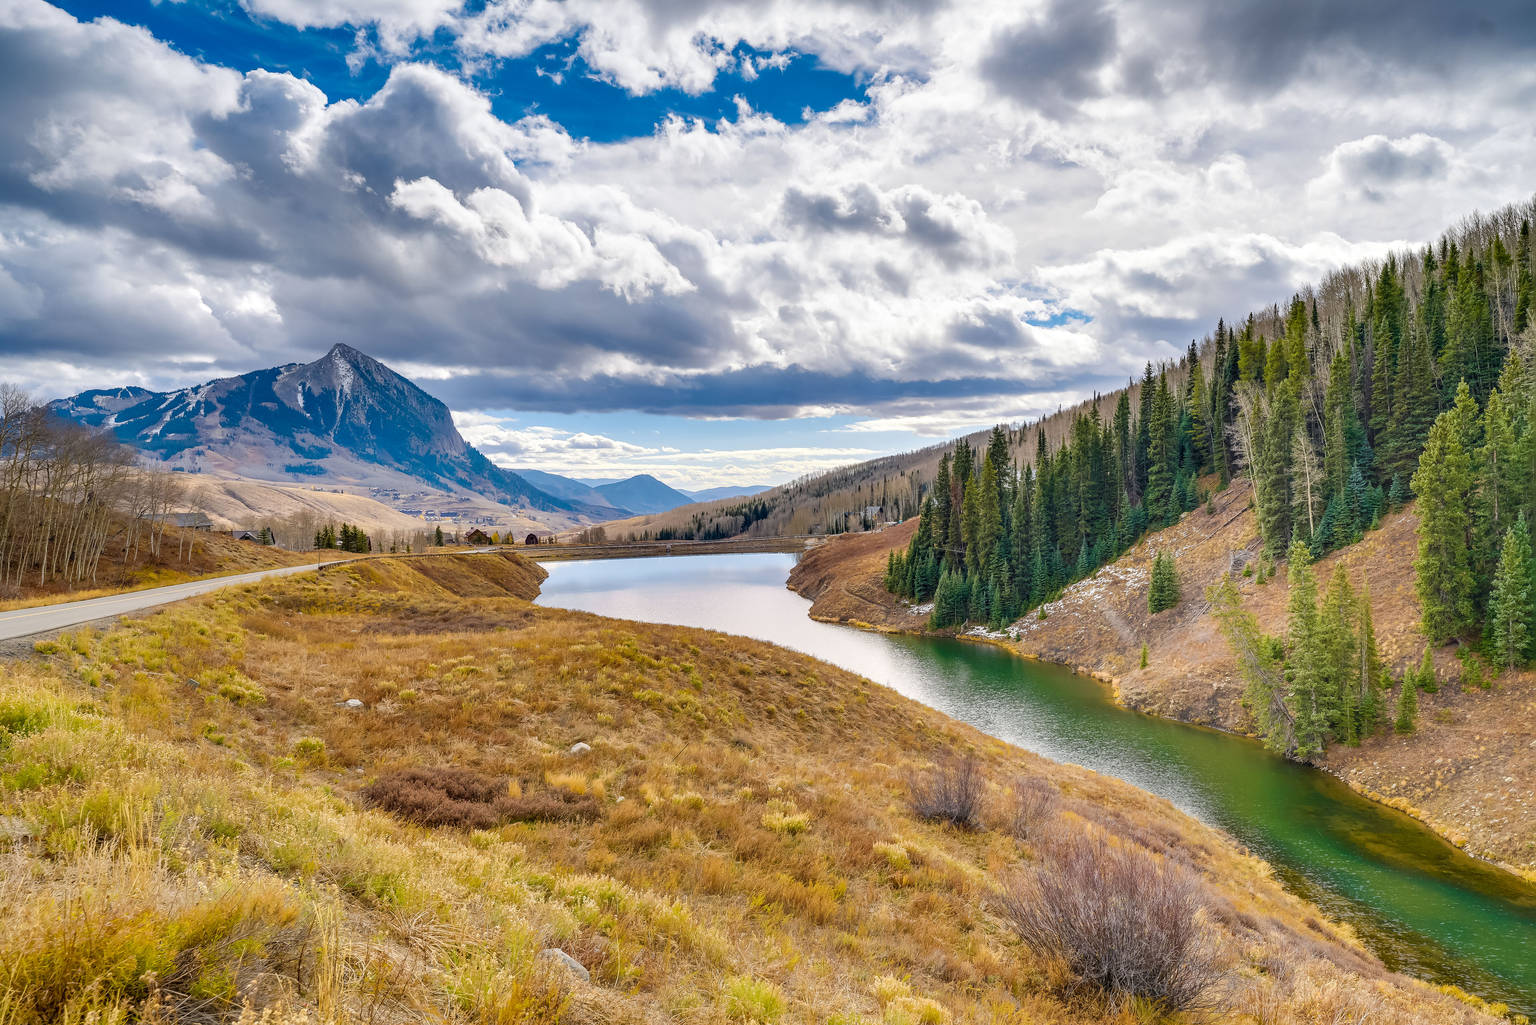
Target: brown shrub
[1031,808]
[460,797]
[1119,920]
[950,792]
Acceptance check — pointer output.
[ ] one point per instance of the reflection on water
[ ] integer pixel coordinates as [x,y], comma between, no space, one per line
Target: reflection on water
[1423,906]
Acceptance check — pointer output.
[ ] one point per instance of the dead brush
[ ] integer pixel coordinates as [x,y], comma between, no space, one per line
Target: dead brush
[950,792]
[1121,922]
[470,800]
[1031,808]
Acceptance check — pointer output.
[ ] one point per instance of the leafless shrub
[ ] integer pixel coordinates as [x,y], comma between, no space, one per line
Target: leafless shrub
[1031,808]
[459,797]
[950,792]
[1121,922]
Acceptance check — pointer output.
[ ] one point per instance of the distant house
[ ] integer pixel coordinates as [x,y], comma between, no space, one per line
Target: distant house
[531,539]
[186,520]
[245,535]
[477,537]
[872,512]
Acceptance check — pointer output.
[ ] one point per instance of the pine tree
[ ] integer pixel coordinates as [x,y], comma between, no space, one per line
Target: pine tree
[1424,677]
[1445,581]
[437,536]
[1272,470]
[1413,410]
[1163,591]
[1161,458]
[1337,646]
[1512,607]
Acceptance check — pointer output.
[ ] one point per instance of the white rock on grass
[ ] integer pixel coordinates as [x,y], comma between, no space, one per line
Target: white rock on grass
[581,747]
[560,959]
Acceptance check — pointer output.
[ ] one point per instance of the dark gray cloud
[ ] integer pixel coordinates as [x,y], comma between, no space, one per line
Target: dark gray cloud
[1260,45]
[760,391]
[950,228]
[1051,64]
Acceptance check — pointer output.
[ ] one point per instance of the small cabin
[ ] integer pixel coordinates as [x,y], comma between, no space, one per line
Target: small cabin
[477,537]
[531,539]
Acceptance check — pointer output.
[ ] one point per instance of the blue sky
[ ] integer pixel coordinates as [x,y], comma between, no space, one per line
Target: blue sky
[553,80]
[717,240]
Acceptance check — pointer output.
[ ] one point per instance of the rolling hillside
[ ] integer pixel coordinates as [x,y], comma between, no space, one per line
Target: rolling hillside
[400,792]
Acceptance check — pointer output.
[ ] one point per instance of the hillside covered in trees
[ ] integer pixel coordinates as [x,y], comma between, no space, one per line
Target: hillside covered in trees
[1412,379]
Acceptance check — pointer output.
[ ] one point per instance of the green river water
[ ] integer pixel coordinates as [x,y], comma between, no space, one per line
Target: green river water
[1424,907]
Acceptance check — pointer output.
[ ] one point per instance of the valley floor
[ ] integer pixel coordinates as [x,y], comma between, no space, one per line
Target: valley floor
[1469,771]
[192,823]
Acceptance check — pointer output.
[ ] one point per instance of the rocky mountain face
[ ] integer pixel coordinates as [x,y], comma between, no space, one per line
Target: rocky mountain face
[346,417]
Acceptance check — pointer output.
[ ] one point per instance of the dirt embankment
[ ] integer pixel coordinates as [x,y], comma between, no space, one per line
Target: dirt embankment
[1470,769]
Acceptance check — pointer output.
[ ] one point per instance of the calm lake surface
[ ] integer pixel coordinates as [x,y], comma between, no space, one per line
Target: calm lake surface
[1423,906]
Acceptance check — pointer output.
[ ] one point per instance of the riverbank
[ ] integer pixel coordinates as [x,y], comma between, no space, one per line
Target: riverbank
[1469,772]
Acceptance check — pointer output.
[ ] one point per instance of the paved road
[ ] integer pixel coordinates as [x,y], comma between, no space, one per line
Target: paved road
[45,618]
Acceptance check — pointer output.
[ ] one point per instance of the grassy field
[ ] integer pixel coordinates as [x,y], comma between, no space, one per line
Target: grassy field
[197,825]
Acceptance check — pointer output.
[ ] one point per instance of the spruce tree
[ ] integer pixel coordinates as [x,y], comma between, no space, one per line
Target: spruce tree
[1445,581]
[1163,591]
[1272,470]
[1512,607]
[1424,676]
[1413,410]
[1161,458]
[1337,648]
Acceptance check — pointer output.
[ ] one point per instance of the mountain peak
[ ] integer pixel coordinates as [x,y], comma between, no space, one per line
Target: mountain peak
[342,352]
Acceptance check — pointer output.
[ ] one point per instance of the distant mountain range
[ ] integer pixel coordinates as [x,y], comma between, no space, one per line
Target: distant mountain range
[640,494]
[346,418]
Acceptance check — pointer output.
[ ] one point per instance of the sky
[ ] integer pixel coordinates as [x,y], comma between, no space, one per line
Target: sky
[720,241]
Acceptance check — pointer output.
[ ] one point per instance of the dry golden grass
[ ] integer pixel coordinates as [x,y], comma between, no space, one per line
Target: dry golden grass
[183,852]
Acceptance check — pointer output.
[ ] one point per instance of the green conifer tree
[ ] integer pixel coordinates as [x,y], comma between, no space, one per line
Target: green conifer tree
[1512,607]
[1445,581]
[1163,591]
